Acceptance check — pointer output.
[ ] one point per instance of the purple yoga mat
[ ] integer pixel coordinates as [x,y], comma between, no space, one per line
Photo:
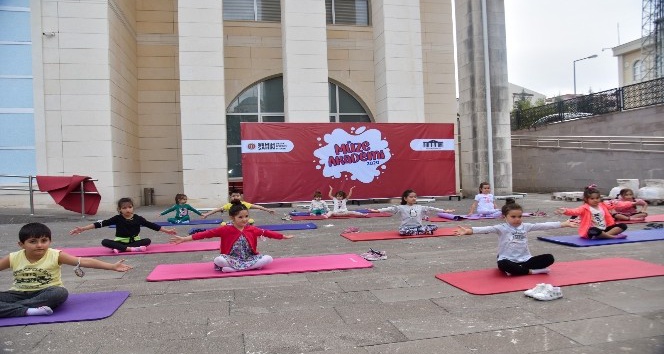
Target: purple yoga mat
[78,307]
[632,236]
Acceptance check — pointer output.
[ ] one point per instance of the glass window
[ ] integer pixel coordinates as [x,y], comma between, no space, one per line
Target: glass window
[347,12]
[637,71]
[18,130]
[15,93]
[344,107]
[233,127]
[13,25]
[13,59]
[252,10]
[234,161]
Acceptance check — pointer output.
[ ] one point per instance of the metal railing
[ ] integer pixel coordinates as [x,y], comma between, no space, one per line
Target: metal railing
[31,190]
[613,143]
[639,95]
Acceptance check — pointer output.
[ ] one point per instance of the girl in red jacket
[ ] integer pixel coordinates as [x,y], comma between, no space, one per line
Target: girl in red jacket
[238,242]
[595,217]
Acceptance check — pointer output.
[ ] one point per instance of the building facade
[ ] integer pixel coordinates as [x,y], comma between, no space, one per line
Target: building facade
[150,93]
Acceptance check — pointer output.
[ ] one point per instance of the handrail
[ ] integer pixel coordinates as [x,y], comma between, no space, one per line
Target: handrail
[31,191]
[588,142]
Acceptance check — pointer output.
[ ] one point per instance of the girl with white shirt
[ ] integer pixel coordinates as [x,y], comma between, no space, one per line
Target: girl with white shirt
[412,215]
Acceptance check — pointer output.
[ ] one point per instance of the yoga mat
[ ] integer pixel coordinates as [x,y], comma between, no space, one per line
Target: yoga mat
[493,281]
[648,219]
[632,237]
[153,248]
[167,272]
[191,222]
[278,227]
[316,217]
[78,307]
[393,235]
[438,219]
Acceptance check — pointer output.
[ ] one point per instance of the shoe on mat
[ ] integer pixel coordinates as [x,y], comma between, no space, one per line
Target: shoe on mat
[380,253]
[537,289]
[549,294]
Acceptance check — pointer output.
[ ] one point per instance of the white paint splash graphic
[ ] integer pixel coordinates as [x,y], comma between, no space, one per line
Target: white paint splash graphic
[361,154]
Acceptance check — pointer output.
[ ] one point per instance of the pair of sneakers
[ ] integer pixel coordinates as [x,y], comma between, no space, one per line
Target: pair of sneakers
[374,255]
[544,292]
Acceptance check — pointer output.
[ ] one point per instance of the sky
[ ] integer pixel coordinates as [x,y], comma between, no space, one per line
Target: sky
[544,37]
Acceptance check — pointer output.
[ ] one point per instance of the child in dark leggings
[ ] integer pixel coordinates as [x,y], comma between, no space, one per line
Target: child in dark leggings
[127,227]
[514,257]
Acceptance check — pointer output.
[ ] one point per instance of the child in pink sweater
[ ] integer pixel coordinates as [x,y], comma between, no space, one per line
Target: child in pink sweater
[595,217]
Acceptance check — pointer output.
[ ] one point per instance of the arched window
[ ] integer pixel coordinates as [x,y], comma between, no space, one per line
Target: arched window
[637,71]
[264,102]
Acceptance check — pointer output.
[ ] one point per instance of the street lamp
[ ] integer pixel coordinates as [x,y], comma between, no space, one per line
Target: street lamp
[574,65]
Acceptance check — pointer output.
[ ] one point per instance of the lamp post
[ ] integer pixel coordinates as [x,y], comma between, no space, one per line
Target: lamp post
[574,65]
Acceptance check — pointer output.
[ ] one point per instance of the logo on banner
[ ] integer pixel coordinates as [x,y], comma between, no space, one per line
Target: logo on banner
[361,154]
[262,146]
[432,144]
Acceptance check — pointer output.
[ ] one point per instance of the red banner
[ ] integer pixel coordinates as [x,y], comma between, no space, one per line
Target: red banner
[287,162]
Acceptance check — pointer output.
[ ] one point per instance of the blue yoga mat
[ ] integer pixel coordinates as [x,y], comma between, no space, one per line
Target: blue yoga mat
[277,227]
[191,222]
[632,237]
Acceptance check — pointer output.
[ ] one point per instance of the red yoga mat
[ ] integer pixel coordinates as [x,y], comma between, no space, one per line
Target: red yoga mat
[393,235]
[649,218]
[66,192]
[153,248]
[493,281]
[439,219]
[168,272]
[318,217]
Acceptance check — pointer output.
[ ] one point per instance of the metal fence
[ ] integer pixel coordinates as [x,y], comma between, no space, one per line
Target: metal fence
[639,95]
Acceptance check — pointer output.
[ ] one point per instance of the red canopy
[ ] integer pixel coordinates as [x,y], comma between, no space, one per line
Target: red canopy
[66,191]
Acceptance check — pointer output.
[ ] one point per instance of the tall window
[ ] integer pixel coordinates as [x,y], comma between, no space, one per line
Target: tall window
[637,71]
[344,107]
[17,145]
[264,102]
[252,10]
[347,12]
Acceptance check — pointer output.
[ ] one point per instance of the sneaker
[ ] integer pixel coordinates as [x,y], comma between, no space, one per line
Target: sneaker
[537,289]
[370,256]
[351,230]
[549,294]
[380,253]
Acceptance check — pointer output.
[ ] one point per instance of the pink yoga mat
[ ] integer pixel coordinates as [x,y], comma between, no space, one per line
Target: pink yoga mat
[649,218]
[493,281]
[167,272]
[317,217]
[153,248]
[393,235]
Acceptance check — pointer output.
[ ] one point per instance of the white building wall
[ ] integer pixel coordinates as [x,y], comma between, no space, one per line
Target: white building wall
[398,61]
[202,102]
[304,46]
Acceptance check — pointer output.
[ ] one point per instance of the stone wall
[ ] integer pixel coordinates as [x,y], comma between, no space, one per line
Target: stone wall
[559,170]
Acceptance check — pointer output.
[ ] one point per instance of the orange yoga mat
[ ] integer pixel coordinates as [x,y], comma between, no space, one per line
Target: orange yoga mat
[393,235]
[493,281]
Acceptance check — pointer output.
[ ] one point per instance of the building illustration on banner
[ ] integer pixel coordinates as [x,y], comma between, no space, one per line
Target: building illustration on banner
[362,154]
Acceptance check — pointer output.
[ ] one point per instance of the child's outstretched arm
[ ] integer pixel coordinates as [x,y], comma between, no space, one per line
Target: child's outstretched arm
[79,229]
[168,210]
[568,223]
[350,192]
[461,231]
[119,266]
[288,236]
[256,206]
[170,231]
[4,262]
[472,208]
[179,239]
[205,215]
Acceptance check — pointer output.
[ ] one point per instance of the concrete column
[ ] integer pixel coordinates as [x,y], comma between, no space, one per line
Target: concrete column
[202,102]
[472,103]
[304,38]
[398,61]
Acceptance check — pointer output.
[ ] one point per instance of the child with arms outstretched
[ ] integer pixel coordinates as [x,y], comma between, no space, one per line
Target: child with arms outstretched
[595,217]
[339,200]
[38,287]
[412,215]
[484,203]
[181,209]
[628,211]
[514,256]
[238,244]
[233,197]
[127,227]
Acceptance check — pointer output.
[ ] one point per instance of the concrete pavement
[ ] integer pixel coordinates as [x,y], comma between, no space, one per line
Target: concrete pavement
[398,306]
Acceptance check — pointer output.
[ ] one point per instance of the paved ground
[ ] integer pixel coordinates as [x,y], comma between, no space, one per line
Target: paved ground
[398,306]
